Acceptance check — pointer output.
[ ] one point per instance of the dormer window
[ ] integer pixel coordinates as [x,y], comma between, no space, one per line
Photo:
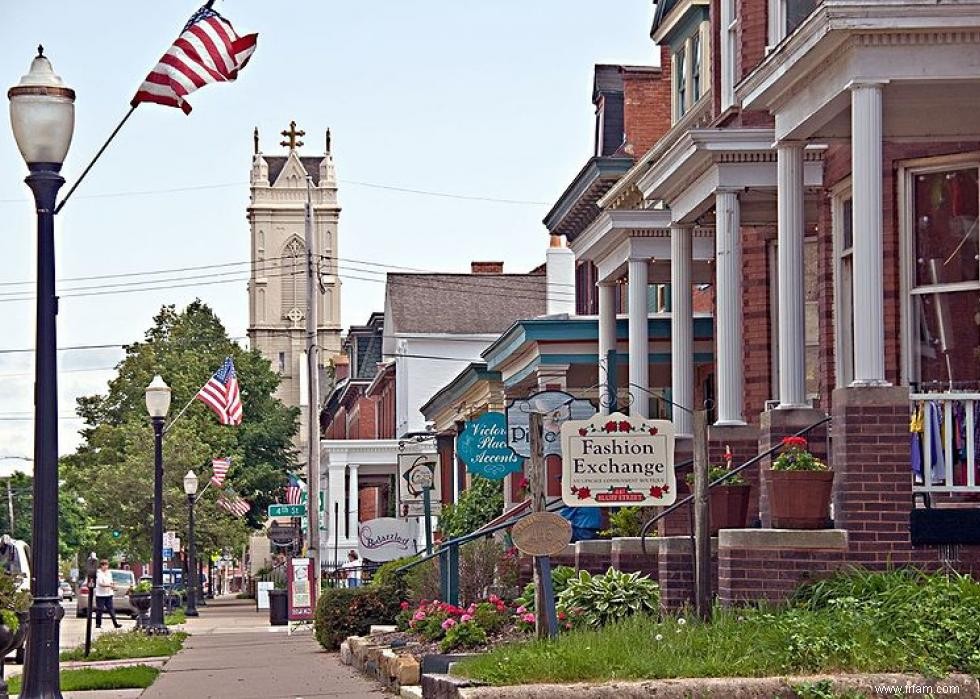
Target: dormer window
[690,62]
[695,68]
[786,15]
[680,82]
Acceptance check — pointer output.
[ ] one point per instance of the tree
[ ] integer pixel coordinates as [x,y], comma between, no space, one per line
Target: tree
[478,504]
[113,468]
[73,522]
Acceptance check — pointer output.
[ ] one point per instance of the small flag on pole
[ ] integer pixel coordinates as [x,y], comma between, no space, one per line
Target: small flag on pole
[207,51]
[294,490]
[234,504]
[221,394]
[728,457]
[220,467]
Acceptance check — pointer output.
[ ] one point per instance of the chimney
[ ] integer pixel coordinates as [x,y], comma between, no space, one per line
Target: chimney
[560,275]
[486,267]
[341,367]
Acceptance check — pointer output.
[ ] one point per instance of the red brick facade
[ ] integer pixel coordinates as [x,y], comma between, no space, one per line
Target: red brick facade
[646,104]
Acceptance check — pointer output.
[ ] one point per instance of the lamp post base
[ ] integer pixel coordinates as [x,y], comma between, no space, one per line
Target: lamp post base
[41,667]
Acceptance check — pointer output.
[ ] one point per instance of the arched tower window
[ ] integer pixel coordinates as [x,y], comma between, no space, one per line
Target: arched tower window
[293,280]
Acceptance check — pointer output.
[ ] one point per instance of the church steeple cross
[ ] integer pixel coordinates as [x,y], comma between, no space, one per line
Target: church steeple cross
[292,134]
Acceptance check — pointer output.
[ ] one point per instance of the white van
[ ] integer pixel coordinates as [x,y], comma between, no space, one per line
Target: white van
[15,558]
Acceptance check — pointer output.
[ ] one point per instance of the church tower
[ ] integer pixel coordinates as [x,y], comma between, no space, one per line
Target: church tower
[277,284]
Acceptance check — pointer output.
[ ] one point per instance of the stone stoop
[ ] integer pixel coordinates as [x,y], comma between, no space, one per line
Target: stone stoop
[393,669]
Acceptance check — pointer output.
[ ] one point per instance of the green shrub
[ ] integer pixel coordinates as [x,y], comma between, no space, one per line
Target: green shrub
[467,634]
[478,504]
[141,588]
[343,612]
[118,645]
[423,581]
[628,521]
[612,596]
[714,473]
[386,575]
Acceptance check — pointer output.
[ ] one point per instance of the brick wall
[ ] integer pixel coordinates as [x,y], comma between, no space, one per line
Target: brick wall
[676,573]
[646,104]
[627,555]
[594,556]
[756,312]
[769,564]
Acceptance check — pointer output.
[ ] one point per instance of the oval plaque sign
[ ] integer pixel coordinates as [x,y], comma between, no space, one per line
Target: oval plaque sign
[542,534]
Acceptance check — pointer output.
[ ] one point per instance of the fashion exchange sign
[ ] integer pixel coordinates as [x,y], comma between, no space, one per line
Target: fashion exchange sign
[614,460]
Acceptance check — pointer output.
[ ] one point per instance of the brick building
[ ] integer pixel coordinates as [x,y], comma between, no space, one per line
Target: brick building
[819,171]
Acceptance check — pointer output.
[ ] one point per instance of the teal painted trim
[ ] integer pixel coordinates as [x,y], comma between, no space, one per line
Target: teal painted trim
[686,27]
[454,390]
[622,358]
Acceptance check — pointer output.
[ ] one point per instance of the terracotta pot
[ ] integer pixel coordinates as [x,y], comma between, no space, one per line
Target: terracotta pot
[729,506]
[800,499]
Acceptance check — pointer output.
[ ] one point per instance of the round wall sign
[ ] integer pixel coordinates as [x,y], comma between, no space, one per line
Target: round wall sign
[541,534]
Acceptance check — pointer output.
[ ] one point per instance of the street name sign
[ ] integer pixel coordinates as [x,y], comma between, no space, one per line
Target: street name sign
[616,460]
[287,510]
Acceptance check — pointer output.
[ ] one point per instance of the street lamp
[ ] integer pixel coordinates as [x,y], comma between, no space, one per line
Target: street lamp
[190,488]
[157,405]
[42,114]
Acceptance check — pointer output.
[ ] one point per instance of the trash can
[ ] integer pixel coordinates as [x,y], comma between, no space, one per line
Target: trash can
[278,608]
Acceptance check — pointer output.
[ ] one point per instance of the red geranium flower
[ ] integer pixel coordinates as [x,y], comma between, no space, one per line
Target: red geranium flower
[523,483]
[624,426]
[794,442]
[610,426]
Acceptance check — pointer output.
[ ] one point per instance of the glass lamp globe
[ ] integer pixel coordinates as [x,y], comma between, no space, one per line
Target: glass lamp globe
[158,397]
[42,113]
[190,483]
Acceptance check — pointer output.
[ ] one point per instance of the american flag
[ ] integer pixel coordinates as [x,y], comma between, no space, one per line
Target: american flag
[221,394]
[233,504]
[207,51]
[220,467]
[294,491]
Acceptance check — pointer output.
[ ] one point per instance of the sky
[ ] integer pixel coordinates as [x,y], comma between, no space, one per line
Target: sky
[480,100]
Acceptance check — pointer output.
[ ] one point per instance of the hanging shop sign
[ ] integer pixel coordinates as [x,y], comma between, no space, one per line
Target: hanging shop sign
[418,472]
[556,407]
[614,460]
[386,539]
[483,447]
[300,588]
[541,534]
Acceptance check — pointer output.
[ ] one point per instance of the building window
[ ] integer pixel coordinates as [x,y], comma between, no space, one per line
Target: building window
[843,229]
[942,204]
[293,282]
[680,82]
[695,68]
[729,52]
[282,362]
[786,15]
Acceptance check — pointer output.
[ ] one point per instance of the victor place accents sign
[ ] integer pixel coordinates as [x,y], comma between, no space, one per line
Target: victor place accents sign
[616,460]
[483,447]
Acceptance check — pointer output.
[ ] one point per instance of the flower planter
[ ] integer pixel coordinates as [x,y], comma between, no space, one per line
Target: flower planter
[141,602]
[729,507]
[800,499]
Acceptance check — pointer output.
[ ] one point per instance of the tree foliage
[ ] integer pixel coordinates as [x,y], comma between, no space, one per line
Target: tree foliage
[113,468]
[478,504]
[17,498]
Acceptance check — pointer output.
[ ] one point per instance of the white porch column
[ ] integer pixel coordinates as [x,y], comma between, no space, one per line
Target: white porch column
[353,502]
[728,299]
[792,341]
[639,347]
[869,327]
[681,327]
[607,337]
[335,503]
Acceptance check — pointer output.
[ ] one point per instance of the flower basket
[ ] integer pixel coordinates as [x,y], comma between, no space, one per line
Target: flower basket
[800,488]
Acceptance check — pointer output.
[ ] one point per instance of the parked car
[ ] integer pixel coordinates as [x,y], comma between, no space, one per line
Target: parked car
[124,580]
[67,591]
[15,557]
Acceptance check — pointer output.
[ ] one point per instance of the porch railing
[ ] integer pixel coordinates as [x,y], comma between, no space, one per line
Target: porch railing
[945,442]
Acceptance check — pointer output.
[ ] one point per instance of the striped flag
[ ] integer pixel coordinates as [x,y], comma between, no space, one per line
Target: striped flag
[294,490]
[233,504]
[220,467]
[207,51]
[221,394]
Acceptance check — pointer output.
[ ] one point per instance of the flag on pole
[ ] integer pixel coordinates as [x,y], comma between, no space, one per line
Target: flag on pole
[294,490]
[220,467]
[233,504]
[207,51]
[221,394]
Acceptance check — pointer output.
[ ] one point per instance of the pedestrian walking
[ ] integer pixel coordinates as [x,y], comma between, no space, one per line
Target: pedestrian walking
[353,568]
[105,588]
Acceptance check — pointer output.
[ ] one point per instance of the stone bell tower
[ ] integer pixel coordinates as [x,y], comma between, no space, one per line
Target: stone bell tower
[278,281]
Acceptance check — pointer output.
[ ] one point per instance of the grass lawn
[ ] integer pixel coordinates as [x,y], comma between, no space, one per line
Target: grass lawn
[175,617]
[861,622]
[118,645]
[139,676]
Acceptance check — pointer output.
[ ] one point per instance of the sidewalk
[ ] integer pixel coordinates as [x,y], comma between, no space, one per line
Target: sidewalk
[235,654]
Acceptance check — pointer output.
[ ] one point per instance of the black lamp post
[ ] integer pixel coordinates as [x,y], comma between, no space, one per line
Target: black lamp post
[157,405]
[193,575]
[42,114]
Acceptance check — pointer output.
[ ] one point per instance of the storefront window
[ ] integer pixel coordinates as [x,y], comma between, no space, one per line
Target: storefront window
[945,299]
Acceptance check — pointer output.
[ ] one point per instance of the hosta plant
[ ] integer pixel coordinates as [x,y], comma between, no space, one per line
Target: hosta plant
[600,599]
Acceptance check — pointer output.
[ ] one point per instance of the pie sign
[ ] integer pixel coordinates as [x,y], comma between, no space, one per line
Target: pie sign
[616,460]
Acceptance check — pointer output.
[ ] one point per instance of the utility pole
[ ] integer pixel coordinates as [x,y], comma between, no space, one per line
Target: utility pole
[313,385]
[702,531]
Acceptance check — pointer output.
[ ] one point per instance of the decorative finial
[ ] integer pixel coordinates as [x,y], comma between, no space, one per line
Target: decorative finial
[255,140]
[293,143]
[328,141]
[40,51]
